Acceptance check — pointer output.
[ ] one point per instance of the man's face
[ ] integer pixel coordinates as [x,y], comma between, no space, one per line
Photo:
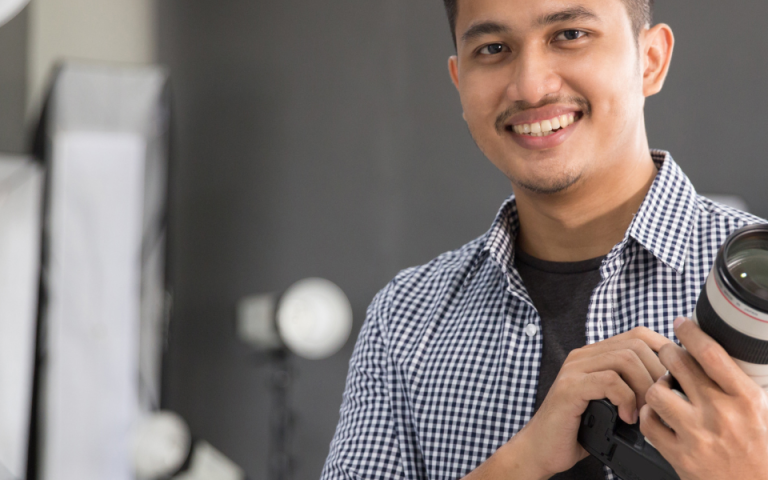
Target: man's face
[535,65]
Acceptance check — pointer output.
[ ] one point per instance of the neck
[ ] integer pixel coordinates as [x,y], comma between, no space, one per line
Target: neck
[587,220]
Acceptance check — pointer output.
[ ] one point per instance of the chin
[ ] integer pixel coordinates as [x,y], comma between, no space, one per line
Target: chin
[546,186]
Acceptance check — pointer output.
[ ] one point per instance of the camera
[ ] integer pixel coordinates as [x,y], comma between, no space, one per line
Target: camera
[733,310]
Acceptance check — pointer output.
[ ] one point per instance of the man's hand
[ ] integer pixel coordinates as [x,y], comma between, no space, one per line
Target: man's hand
[722,433]
[621,369]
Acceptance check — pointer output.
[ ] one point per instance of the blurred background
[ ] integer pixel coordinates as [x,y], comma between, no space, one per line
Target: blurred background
[325,139]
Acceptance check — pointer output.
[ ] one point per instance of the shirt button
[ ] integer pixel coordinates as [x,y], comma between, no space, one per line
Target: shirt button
[531,330]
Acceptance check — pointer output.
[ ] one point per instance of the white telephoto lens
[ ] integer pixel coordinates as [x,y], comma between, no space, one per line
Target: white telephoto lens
[733,305]
[314,318]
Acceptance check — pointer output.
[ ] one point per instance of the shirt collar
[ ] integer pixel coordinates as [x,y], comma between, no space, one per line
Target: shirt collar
[662,225]
[665,221]
[500,239]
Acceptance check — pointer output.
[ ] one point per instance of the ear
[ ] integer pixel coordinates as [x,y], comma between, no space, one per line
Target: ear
[453,69]
[657,44]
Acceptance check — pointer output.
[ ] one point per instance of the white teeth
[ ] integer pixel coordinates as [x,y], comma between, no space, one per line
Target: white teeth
[546,127]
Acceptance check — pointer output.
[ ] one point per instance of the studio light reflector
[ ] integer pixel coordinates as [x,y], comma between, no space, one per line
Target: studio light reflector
[10,8]
[161,445]
[312,318]
[163,449]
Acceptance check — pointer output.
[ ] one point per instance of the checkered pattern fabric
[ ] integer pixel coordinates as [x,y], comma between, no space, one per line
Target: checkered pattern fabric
[444,372]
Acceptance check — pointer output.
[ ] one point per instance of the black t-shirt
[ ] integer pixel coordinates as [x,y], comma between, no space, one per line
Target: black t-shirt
[561,293]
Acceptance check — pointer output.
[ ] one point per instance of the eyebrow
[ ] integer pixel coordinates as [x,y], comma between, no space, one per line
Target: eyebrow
[566,15]
[569,14]
[484,28]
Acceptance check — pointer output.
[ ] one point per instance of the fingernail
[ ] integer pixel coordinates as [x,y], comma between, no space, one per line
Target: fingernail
[679,321]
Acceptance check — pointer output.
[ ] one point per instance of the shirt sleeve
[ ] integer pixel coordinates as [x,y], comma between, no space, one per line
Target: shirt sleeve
[366,445]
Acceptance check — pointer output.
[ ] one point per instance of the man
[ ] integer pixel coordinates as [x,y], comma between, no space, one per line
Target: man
[475,364]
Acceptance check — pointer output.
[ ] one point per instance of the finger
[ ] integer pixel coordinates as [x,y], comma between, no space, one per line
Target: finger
[608,384]
[653,339]
[652,428]
[643,351]
[627,364]
[674,410]
[714,360]
[687,372]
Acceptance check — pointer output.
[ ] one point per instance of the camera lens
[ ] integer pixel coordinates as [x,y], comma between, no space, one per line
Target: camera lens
[747,262]
[733,306]
[741,270]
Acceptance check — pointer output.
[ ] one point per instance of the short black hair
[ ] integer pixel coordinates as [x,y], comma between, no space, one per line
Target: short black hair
[640,13]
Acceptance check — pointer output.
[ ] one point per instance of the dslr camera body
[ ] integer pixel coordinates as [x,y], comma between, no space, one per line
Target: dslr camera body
[732,309]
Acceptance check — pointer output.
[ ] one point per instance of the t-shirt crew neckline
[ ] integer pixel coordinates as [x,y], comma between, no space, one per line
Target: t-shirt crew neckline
[582,266]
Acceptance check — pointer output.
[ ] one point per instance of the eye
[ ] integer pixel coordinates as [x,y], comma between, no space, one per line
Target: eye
[492,49]
[570,35]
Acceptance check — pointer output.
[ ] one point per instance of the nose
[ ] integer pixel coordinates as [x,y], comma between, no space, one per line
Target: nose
[534,78]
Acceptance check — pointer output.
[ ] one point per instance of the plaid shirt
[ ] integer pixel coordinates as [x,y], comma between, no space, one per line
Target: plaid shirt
[446,365]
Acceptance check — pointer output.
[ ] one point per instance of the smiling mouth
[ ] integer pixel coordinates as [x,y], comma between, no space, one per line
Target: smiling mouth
[546,128]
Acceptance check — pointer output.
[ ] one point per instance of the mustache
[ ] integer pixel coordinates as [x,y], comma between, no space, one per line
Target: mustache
[521,106]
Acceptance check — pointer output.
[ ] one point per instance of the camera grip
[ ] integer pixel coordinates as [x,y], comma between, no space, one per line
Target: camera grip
[621,446]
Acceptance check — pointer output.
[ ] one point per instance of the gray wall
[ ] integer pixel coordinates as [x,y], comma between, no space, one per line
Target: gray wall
[13,78]
[708,114]
[323,138]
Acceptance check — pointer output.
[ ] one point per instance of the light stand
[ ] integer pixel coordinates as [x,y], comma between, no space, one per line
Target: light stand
[281,421]
[312,319]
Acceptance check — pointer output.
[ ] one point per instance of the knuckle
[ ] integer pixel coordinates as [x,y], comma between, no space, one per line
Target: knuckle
[627,355]
[652,396]
[667,349]
[729,419]
[612,378]
[754,402]
[710,354]
[643,334]
[606,377]
[624,357]
[638,345]
[673,357]
[564,380]
[572,356]
[678,364]
[666,413]
[704,445]
[655,399]
[613,355]
[642,330]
